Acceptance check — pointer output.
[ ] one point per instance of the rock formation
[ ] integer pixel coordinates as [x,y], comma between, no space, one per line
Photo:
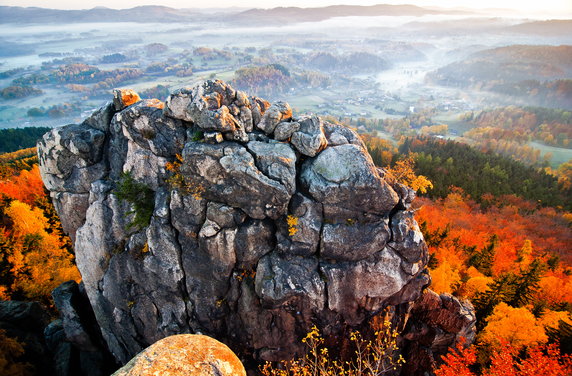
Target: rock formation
[222,214]
[184,354]
[437,323]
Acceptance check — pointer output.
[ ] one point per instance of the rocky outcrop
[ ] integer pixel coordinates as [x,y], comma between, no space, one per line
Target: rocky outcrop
[250,224]
[184,354]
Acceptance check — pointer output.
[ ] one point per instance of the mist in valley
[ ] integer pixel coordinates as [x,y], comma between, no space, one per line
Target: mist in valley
[361,69]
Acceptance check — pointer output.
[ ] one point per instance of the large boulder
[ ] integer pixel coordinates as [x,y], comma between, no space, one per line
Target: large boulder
[214,107]
[184,355]
[344,179]
[254,225]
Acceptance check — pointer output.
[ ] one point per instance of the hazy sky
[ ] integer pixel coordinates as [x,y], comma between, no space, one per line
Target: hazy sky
[551,6]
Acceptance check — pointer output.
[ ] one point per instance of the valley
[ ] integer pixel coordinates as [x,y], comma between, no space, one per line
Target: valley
[354,68]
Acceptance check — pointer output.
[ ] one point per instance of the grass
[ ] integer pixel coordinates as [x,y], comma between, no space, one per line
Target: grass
[140,197]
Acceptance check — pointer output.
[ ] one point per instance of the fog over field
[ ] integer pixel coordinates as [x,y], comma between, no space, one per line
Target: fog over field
[360,66]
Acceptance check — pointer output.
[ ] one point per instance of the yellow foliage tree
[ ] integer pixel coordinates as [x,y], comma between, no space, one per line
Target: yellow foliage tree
[565,175]
[550,318]
[555,289]
[444,278]
[26,220]
[473,272]
[4,294]
[440,129]
[39,261]
[404,172]
[515,326]
[477,284]
[525,254]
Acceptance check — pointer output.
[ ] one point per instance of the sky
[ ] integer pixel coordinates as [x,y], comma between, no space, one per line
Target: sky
[561,7]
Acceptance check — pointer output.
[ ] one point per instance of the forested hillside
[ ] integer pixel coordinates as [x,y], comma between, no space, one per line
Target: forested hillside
[497,235]
[449,163]
[14,139]
[522,124]
[540,73]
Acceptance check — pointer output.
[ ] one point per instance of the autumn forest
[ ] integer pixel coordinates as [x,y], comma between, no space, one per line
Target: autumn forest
[470,109]
[508,252]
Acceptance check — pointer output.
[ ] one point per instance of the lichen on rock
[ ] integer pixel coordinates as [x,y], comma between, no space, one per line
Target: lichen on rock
[224,260]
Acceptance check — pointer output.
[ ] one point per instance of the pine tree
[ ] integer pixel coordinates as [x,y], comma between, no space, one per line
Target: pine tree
[502,289]
[485,258]
[526,284]
[435,238]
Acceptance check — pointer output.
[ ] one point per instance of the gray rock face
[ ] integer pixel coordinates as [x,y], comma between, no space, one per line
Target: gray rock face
[71,208]
[407,238]
[261,224]
[228,173]
[277,161]
[309,139]
[215,107]
[66,298]
[344,179]
[276,113]
[75,341]
[353,241]
[71,158]
[304,238]
[337,134]
[279,279]
[357,287]
[285,130]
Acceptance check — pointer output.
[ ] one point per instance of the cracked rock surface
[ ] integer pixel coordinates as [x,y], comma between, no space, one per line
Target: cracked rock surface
[280,222]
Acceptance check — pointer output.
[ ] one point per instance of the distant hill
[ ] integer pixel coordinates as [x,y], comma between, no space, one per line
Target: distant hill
[294,14]
[166,14]
[458,26]
[98,14]
[540,74]
[547,28]
[507,64]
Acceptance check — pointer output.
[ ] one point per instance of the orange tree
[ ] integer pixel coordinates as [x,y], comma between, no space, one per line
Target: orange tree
[34,254]
[538,360]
